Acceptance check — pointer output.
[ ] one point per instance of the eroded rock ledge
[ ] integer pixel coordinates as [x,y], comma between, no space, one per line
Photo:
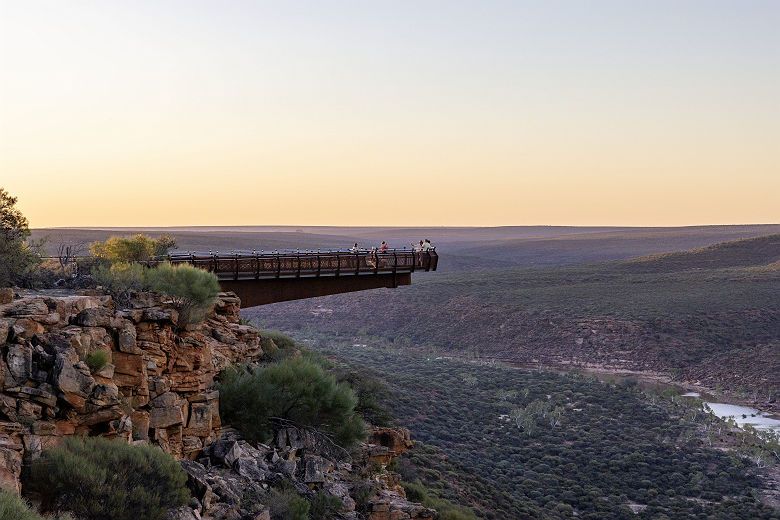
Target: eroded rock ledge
[157,387]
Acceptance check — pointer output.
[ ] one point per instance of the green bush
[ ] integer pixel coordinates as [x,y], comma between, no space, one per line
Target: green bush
[121,279]
[193,291]
[96,360]
[362,493]
[294,389]
[18,261]
[137,248]
[12,507]
[371,392]
[98,479]
[415,492]
[282,341]
[287,504]
[325,506]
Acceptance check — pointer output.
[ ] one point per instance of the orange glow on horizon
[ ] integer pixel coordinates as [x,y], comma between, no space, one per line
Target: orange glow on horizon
[169,115]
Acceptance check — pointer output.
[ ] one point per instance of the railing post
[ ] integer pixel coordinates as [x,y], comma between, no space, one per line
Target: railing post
[298,273]
[257,264]
[235,265]
[357,263]
[395,268]
[338,264]
[278,264]
[376,262]
[319,263]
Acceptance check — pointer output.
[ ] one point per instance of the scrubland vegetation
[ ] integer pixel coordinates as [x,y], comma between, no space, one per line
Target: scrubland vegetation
[295,390]
[717,318]
[98,479]
[514,443]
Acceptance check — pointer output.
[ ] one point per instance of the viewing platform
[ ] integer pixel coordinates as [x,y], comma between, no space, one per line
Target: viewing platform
[262,277]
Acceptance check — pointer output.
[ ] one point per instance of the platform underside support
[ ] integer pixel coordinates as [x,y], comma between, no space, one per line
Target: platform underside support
[274,290]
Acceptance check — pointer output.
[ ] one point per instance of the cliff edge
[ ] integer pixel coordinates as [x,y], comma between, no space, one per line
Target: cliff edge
[75,364]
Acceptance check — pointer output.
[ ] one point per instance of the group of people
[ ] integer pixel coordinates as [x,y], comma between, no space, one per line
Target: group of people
[423,245]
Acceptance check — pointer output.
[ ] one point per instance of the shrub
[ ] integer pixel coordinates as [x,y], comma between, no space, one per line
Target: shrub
[121,279]
[287,504]
[325,506]
[137,248]
[96,360]
[362,493]
[193,291]
[294,389]
[415,491]
[98,479]
[281,340]
[12,507]
[370,391]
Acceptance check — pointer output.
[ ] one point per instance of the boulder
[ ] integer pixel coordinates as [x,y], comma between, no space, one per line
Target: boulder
[200,420]
[94,317]
[104,395]
[5,328]
[315,468]
[39,395]
[161,315]
[19,363]
[197,481]
[182,513]
[285,467]
[26,328]
[25,307]
[10,463]
[140,420]
[251,468]
[73,381]
[6,295]
[165,411]
[129,370]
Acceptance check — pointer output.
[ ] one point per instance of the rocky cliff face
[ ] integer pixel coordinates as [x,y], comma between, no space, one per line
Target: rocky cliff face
[156,386]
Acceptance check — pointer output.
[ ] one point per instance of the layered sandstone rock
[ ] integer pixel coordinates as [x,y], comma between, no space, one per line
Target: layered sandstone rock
[156,387]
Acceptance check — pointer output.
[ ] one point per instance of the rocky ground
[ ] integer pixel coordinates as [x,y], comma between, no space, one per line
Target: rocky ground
[157,387]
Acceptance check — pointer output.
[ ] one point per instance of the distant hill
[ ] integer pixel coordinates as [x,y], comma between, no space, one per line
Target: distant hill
[748,252]
[600,245]
[463,249]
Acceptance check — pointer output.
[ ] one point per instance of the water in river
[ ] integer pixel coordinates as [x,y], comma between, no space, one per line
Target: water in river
[742,415]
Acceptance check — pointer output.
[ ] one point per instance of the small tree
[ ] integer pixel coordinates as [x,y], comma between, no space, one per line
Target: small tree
[138,248]
[193,291]
[98,479]
[67,253]
[121,279]
[17,259]
[296,390]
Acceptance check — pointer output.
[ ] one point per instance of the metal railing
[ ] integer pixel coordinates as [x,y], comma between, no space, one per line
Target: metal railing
[255,265]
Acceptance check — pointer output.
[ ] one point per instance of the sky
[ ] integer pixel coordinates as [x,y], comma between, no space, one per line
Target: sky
[407,113]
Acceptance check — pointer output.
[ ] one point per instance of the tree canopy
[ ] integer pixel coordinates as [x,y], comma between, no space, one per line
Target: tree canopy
[17,260]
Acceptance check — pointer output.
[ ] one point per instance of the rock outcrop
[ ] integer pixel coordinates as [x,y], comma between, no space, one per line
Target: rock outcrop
[232,479]
[156,386]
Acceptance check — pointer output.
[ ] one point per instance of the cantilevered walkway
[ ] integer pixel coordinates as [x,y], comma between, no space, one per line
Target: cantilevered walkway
[259,278]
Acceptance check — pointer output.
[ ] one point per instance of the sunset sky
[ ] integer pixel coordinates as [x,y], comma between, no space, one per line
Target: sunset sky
[391,113]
